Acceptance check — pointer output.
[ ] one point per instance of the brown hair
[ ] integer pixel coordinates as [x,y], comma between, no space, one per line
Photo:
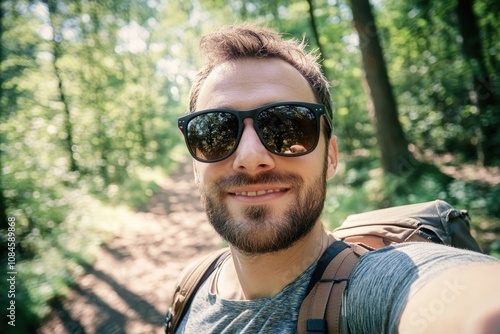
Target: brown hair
[250,41]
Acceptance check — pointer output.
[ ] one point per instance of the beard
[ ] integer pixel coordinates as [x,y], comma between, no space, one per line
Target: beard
[260,230]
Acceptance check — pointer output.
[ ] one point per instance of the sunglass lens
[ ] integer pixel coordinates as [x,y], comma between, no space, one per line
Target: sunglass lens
[288,129]
[212,136]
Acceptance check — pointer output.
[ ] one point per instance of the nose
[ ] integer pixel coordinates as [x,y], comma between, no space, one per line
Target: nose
[251,156]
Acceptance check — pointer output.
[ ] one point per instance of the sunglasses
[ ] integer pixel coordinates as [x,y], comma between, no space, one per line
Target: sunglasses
[288,129]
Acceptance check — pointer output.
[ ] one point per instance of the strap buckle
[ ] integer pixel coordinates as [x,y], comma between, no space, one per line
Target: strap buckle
[316,326]
[168,319]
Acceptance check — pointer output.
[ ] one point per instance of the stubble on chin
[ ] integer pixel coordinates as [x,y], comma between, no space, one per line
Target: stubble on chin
[256,213]
[258,229]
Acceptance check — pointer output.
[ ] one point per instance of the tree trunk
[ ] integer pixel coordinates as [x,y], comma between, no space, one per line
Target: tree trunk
[482,95]
[395,156]
[314,27]
[56,50]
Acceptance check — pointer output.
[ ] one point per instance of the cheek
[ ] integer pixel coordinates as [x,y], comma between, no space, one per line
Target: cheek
[206,174]
[319,163]
[198,173]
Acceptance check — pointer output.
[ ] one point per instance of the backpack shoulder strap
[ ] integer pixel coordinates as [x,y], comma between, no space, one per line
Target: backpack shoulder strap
[189,282]
[321,310]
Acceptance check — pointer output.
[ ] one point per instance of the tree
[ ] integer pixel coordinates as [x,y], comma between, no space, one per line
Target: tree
[314,28]
[482,93]
[395,156]
[57,54]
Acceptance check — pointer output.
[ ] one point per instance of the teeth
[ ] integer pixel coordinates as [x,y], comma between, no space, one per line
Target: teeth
[257,193]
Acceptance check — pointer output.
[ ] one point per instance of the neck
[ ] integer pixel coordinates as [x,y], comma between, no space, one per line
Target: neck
[258,276]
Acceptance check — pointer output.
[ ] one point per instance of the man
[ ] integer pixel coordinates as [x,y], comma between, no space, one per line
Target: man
[259,130]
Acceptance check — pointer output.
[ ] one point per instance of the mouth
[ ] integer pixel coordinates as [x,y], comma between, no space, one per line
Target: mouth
[257,192]
[253,194]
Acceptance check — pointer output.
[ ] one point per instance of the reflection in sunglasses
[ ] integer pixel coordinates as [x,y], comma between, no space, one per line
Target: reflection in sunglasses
[294,149]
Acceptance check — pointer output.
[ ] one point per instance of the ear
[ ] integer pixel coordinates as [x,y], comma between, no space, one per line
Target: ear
[333,158]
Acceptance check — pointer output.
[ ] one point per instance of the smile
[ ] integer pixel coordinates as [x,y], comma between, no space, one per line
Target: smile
[257,193]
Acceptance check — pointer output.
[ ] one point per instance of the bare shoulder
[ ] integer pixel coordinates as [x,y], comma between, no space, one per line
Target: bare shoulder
[462,299]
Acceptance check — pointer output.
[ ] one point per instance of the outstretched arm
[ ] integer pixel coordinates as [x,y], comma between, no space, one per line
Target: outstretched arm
[463,299]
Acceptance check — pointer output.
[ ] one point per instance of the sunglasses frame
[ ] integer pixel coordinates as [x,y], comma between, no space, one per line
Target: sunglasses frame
[317,109]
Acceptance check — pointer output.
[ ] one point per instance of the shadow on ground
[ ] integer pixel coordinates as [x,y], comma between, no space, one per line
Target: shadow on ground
[129,287]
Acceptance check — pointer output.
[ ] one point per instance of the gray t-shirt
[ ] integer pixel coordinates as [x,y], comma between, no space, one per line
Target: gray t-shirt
[378,289]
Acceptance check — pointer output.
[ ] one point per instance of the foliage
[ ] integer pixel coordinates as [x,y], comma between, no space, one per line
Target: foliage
[90,95]
[361,186]
[54,261]
[433,80]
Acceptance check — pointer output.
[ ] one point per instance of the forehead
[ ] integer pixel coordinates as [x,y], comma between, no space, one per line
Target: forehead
[250,83]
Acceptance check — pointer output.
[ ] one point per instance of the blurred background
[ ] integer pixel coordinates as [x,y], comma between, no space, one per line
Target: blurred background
[91,91]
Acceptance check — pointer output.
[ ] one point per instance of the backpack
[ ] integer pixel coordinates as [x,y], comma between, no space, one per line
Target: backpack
[322,311]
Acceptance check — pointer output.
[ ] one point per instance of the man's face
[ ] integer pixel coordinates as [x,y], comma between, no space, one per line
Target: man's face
[257,201]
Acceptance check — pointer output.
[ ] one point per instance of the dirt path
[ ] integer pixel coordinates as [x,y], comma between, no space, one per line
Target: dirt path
[130,285]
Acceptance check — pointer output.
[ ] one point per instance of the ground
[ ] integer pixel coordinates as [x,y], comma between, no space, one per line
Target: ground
[129,287]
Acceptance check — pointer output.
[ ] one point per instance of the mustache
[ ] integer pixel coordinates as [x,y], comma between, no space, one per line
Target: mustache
[239,180]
